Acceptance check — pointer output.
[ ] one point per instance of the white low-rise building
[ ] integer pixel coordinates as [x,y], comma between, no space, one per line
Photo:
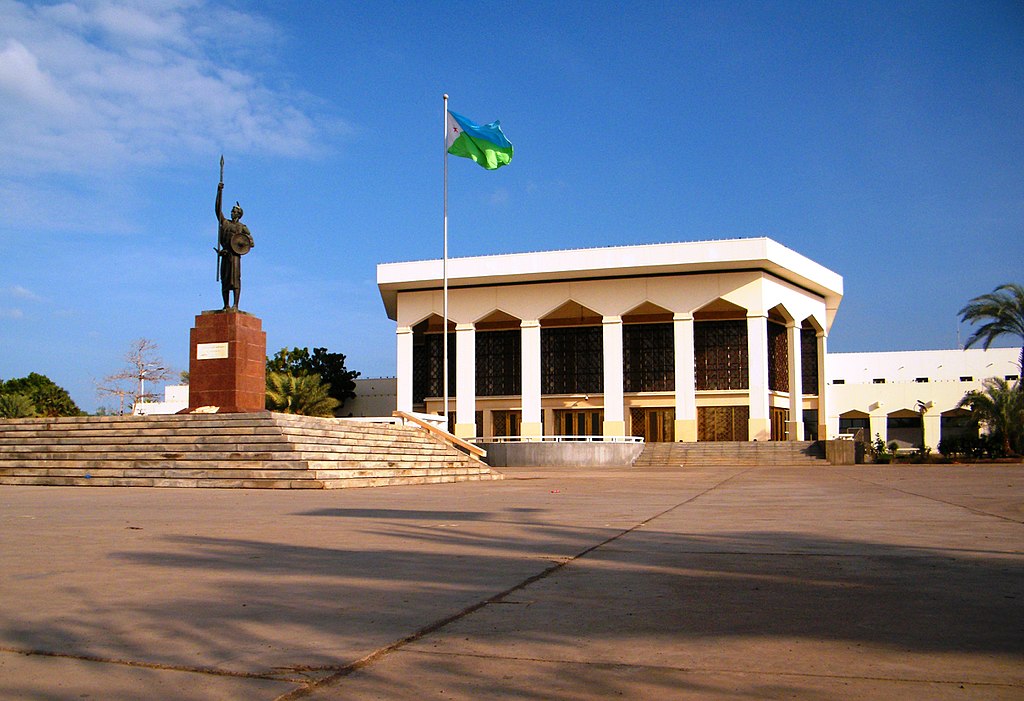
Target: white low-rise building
[910,397]
[375,397]
[175,400]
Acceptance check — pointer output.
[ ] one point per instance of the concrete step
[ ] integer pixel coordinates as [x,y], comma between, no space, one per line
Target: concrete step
[162,471]
[248,483]
[386,482]
[732,453]
[261,450]
[282,461]
[285,452]
[171,471]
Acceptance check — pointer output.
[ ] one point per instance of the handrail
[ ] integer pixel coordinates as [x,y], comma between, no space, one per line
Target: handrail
[563,439]
[442,434]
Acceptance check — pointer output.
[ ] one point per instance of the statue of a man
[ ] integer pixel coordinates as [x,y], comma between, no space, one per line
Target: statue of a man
[234,241]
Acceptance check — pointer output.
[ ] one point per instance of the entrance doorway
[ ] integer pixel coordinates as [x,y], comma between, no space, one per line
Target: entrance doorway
[579,422]
[723,423]
[653,425]
[506,423]
[779,417]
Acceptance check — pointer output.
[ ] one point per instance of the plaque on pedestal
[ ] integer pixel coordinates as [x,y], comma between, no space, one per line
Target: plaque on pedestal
[227,362]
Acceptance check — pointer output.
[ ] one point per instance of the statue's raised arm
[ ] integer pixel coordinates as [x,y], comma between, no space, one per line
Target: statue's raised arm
[217,209]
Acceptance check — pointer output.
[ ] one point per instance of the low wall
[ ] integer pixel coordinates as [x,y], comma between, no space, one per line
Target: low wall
[561,454]
[844,452]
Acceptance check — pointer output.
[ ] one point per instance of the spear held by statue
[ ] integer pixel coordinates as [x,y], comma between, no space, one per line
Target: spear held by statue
[219,188]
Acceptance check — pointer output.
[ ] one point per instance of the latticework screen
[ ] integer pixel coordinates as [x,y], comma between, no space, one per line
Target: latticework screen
[809,361]
[499,364]
[778,358]
[427,366]
[648,358]
[638,422]
[722,423]
[571,360]
[720,355]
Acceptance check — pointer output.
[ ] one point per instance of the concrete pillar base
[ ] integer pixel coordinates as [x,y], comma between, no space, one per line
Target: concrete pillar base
[614,428]
[686,430]
[795,429]
[759,429]
[530,429]
[823,432]
[465,430]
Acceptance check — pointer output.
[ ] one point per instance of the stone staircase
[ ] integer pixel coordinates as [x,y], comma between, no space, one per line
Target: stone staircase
[711,453]
[260,450]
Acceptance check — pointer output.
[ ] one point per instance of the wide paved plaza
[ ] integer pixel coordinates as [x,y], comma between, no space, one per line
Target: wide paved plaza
[726,583]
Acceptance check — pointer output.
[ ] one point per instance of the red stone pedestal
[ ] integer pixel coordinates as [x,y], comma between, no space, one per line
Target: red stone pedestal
[227,362]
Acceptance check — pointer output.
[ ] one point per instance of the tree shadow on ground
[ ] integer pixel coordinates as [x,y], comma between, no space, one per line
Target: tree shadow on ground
[256,606]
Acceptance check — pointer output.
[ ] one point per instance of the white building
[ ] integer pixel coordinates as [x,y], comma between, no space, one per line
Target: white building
[710,340]
[375,397]
[175,400]
[910,397]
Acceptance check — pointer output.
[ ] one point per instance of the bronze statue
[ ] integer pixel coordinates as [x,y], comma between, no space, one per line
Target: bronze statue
[233,242]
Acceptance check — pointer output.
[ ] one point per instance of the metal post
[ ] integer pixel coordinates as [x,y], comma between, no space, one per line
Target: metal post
[444,265]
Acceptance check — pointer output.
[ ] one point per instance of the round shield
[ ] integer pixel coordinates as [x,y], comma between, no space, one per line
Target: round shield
[240,244]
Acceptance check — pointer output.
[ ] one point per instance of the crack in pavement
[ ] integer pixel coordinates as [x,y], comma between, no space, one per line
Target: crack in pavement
[973,510]
[282,676]
[381,652]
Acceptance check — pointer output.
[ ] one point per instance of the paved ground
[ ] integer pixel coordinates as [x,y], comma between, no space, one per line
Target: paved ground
[807,583]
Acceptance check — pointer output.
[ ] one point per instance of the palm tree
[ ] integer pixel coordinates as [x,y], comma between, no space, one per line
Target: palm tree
[299,394]
[1001,406]
[17,406]
[1000,313]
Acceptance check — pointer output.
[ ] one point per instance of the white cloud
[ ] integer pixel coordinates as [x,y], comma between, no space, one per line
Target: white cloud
[97,86]
[21,78]
[24,293]
[11,313]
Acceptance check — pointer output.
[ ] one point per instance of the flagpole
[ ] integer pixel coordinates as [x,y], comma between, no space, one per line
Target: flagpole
[444,262]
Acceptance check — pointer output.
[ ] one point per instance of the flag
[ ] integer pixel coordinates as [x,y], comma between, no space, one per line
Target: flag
[485,144]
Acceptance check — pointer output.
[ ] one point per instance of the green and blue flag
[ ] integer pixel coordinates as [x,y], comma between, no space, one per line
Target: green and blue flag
[484,144]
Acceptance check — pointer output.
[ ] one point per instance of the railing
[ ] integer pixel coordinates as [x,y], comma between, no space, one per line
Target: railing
[853,435]
[562,439]
[435,419]
[441,433]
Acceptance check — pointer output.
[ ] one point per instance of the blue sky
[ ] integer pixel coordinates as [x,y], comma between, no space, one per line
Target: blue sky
[883,140]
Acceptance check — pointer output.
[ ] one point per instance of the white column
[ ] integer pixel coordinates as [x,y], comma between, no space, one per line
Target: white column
[878,422]
[404,369]
[760,427]
[614,415]
[531,424]
[795,426]
[931,424]
[465,381]
[686,390]
[827,425]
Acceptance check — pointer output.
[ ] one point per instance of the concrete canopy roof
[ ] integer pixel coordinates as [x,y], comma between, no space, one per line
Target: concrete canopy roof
[612,262]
